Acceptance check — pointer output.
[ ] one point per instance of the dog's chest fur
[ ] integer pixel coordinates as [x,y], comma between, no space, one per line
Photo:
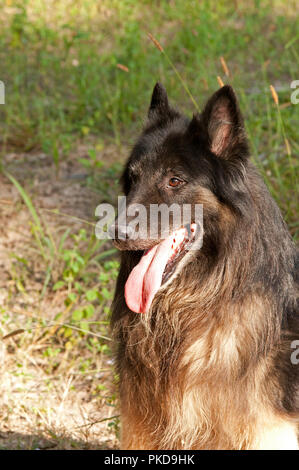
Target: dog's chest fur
[183,370]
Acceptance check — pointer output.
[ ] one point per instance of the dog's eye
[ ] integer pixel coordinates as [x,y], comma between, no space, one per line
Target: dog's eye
[174,182]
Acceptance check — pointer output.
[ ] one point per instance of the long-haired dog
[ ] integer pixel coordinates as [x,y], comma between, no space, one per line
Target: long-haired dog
[206,337]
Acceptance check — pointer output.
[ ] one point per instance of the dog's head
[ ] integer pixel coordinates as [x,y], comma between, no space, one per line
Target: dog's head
[178,162]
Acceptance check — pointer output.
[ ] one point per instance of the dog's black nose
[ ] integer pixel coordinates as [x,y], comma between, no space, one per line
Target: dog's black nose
[120,232]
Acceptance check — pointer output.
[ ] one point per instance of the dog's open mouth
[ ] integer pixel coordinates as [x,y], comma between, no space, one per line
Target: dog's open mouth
[156,267]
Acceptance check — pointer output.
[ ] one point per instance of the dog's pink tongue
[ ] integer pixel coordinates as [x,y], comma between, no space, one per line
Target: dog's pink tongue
[146,278]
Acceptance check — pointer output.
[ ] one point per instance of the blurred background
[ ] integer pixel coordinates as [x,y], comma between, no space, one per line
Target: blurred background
[78,77]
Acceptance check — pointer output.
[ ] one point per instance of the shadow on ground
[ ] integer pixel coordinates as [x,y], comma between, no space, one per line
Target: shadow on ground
[16,441]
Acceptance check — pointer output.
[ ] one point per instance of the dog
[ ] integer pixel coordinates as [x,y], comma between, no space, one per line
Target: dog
[204,353]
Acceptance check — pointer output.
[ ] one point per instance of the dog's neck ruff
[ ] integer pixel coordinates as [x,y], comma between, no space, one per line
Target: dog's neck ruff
[155,267]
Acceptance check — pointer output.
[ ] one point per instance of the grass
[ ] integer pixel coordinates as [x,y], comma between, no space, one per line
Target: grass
[57,331]
[87,68]
[79,75]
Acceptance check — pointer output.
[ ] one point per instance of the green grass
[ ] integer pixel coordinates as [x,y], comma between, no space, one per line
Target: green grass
[75,277]
[63,326]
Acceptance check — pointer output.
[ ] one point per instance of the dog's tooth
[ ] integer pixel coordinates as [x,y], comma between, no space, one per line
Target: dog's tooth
[193,229]
[188,228]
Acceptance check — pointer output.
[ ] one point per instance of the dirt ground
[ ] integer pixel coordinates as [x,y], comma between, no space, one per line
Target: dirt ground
[41,410]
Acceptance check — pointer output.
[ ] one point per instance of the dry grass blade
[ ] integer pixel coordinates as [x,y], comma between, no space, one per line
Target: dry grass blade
[122,67]
[55,327]
[62,214]
[156,42]
[274,95]
[6,201]
[185,86]
[98,421]
[288,146]
[219,80]
[14,333]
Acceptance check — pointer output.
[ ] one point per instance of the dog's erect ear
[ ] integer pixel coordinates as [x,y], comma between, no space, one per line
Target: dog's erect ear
[159,103]
[223,124]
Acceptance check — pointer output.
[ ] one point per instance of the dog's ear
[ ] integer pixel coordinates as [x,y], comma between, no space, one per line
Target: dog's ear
[159,103]
[221,125]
